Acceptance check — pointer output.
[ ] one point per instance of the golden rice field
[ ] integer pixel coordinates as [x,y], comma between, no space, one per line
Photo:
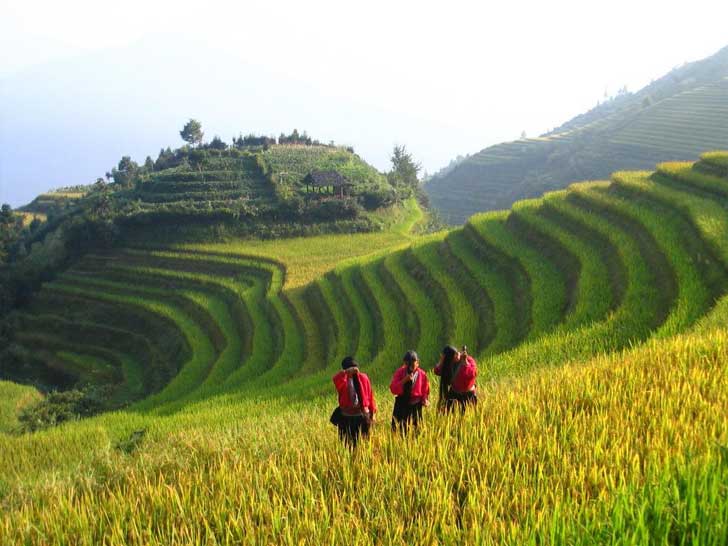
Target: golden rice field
[597,315]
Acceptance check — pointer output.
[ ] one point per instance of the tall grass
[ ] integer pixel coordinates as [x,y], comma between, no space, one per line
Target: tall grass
[622,447]
[606,425]
[13,398]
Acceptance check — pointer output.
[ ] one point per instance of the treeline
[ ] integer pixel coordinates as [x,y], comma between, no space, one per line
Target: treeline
[128,172]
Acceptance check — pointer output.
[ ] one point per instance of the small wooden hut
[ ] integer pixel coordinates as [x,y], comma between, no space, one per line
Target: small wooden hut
[327,183]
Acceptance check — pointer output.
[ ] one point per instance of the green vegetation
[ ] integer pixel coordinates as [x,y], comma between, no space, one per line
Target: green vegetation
[675,117]
[597,315]
[14,399]
[200,192]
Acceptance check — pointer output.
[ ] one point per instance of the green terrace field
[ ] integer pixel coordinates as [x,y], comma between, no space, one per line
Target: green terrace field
[217,181]
[287,165]
[51,203]
[207,193]
[683,125]
[597,315]
[675,118]
[251,176]
[291,163]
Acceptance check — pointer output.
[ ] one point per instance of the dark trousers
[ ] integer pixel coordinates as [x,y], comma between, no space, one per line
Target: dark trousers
[405,415]
[350,428]
[460,400]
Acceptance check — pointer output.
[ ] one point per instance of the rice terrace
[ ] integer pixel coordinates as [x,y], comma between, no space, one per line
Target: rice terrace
[169,334]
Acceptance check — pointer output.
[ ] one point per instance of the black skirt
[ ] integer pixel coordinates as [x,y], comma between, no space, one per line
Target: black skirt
[460,400]
[350,428]
[405,414]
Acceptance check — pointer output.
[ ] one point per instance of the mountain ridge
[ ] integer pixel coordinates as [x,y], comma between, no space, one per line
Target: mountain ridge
[676,117]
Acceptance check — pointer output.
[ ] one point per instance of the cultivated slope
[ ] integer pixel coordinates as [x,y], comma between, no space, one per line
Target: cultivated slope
[674,118]
[243,189]
[593,268]
[578,436]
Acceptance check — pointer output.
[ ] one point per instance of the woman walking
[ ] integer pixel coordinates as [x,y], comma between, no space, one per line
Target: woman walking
[412,390]
[457,371]
[357,407]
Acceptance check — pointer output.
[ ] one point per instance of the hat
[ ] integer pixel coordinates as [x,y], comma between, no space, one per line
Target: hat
[410,356]
[349,362]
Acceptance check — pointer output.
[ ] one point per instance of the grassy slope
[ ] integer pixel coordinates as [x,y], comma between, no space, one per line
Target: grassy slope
[308,258]
[563,457]
[677,117]
[13,398]
[622,446]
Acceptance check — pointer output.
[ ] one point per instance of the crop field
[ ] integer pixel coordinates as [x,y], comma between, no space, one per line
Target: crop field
[49,203]
[289,164]
[637,136]
[597,315]
[217,181]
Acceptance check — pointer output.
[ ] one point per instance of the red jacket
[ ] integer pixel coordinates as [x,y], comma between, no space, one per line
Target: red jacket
[464,380]
[367,396]
[420,389]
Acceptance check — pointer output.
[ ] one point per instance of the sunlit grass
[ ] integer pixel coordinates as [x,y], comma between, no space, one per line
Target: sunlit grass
[605,425]
[13,398]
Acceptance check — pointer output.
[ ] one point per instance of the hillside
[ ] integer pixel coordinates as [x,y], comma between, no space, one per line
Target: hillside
[256,187]
[54,202]
[676,117]
[237,184]
[597,315]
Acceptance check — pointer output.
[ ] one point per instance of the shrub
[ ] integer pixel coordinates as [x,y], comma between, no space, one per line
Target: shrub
[59,407]
[377,198]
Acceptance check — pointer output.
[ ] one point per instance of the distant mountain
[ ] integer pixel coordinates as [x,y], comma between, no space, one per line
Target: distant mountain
[674,118]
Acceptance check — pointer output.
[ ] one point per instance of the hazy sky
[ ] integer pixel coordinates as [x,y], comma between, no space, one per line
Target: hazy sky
[473,73]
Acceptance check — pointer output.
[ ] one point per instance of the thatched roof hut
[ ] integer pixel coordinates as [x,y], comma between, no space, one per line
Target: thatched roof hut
[329,181]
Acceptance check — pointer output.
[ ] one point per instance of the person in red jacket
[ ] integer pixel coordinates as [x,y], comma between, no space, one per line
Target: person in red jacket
[457,371]
[412,390]
[357,407]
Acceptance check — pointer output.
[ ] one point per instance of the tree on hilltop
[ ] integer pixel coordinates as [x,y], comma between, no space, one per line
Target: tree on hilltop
[217,144]
[6,214]
[192,132]
[405,170]
[9,225]
[126,173]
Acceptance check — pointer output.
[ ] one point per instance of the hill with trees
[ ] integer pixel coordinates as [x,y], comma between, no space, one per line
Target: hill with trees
[249,186]
[257,186]
[676,117]
[597,315]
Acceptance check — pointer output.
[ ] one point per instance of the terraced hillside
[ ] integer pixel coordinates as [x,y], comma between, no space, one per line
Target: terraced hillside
[289,165]
[607,264]
[54,202]
[239,189]
[227,349]
[675,118]
[216,181]
[249,177]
